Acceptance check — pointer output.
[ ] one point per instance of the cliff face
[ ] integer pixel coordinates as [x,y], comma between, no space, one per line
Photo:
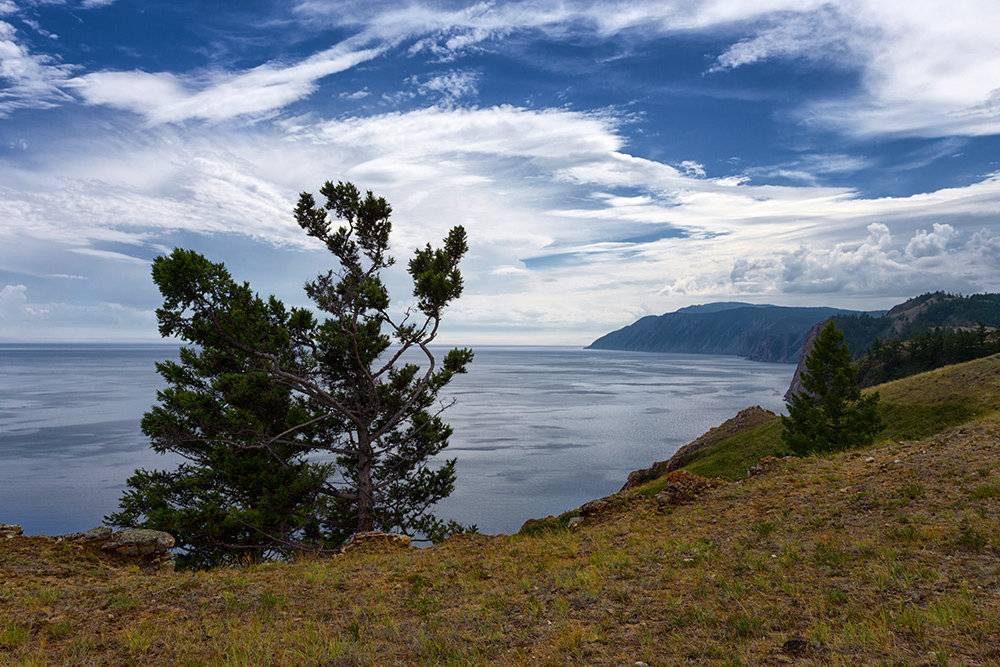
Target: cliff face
[796,384]
[757,332]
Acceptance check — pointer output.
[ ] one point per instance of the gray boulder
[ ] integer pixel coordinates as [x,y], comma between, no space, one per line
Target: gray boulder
[140,542]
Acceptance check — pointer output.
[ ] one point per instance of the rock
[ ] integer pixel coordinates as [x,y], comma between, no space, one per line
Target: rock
[767,464]
[798,647]
[9,530]
[575,523]
[682,486]
[595,507]
[98,534]
[140,542]
[374,541]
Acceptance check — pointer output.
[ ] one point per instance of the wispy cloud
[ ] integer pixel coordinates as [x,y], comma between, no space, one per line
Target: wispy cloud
[170,98]
[32,80]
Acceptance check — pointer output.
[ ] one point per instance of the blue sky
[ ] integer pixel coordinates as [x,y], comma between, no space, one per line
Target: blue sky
[609,160]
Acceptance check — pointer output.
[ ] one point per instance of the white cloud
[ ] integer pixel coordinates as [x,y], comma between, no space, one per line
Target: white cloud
[926,69]
[692,168]
[878,265]
[450,86]
[930,244]
[32,80]
[168,98]
[356,95]
[549,198]
[822,34]
[12,299]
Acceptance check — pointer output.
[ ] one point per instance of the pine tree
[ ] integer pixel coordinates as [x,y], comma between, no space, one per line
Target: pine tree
[299,432]
[830,413]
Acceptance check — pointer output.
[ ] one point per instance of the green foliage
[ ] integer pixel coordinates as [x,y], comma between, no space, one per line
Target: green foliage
[919,316]
[894,359]
[298,432]
[830,413]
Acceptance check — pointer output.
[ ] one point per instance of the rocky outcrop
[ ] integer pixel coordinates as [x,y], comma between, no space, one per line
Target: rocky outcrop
[374,541]
[140,542]
[150,547]
[682,486]
[745,420]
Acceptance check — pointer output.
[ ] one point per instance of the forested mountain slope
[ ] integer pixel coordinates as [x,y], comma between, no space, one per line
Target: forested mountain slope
[757,332]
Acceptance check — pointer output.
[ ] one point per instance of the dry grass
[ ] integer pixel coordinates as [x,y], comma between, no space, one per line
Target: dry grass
[836,560]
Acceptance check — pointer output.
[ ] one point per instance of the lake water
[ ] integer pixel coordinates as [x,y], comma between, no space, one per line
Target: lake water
[538,430]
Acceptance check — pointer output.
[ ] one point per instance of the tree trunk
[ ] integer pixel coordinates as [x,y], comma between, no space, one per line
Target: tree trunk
[366,504]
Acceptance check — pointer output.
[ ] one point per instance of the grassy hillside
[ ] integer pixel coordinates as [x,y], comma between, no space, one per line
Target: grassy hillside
[880,556]
[911,408]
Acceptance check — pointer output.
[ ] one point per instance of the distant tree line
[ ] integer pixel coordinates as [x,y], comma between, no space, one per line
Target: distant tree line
[918,316]
[894,359]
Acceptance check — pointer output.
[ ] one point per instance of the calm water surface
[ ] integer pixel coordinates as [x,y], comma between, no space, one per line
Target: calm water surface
[538,430]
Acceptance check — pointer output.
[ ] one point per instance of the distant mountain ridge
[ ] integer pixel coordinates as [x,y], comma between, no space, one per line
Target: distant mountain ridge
[760,332]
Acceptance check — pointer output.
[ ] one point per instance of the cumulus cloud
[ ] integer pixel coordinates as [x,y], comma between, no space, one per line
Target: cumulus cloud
[930,244]
[881,264]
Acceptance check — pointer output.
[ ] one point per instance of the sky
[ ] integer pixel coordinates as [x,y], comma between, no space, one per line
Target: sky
[608,159]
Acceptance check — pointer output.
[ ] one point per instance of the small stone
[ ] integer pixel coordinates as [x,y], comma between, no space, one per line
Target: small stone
[797,646]
[870,459]
[574,523]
